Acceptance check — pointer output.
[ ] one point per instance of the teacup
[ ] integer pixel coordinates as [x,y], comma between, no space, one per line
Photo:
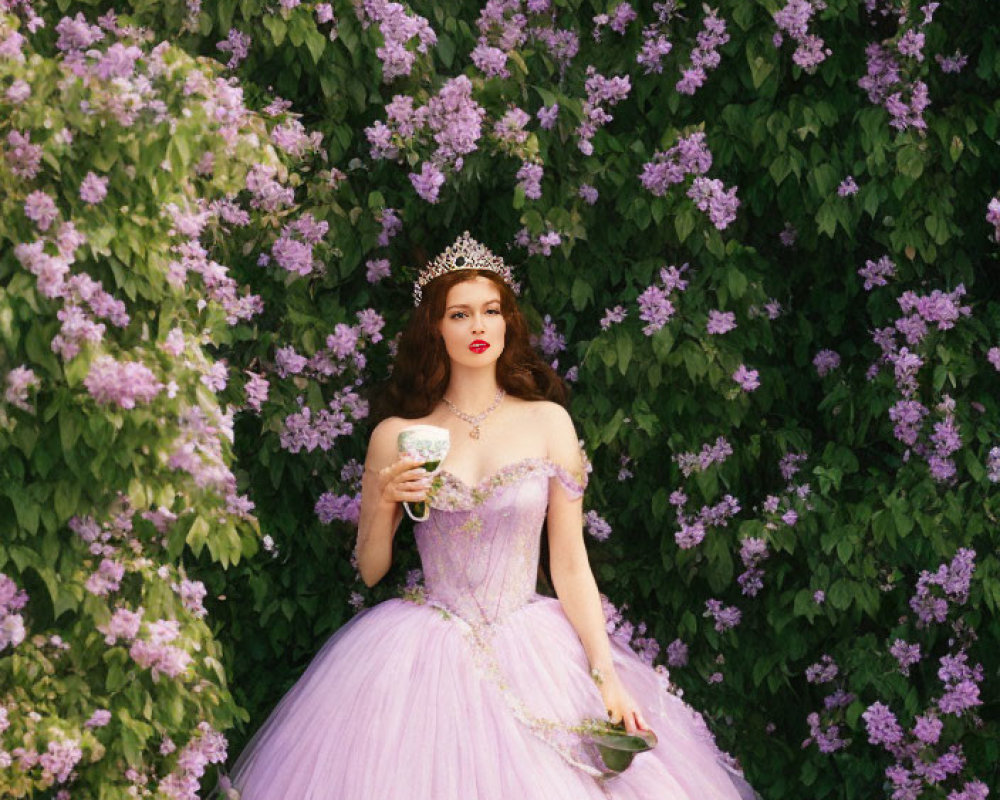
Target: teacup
[430,444]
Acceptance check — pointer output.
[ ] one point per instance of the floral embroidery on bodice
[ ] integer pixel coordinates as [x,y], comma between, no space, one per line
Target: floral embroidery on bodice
[480,546]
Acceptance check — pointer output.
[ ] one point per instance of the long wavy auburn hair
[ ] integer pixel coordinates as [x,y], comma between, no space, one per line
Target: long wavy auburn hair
[421,370]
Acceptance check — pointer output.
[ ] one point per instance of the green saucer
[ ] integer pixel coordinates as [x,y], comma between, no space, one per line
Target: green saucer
[617,748]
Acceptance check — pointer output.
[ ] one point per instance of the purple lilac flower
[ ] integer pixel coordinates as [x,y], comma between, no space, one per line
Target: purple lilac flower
[324,13]
[690,535]
[40,208]
[106,579]
[588,193]
[18,92]
[237,44]
[823,671]
[959,697]
[613,316]
[911,44]
[906,654]
[602,92]
[547,116]
[828,740]
[377,269]
[928,729]
[711,196]
[399,29]
[20,381]
[93,189]
[746,378]
[993,465]
[23,158]
[881,725]
[529,178]
[677,654]
[993,216]
[12,599]
[551,341]
[428,181]
[345,508]
[98,719]
[875,273]
[454,119]
[76,33]
[343,342]
[825,361]
[216,376]
[726,617]
[391,226]
[705,55]
[370,323]
[596,526]
[267,193]
[972,790]
[793,21]
[954,580]
[952,64]
[288,361]
[819,597]
[655,309]
[847,187]
[123,383]
[753,550]
[715,453]
[690,156]
[511,128]
[491,61]
[720,322]
[124,624]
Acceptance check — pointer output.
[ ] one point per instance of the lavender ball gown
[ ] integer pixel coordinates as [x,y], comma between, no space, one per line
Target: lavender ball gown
[468,692]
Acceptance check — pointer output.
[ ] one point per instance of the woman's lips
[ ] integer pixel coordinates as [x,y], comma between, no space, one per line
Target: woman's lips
[479,346]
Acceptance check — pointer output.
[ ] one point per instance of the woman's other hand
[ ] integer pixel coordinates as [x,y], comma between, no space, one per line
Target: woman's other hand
[621,706]
[404,481]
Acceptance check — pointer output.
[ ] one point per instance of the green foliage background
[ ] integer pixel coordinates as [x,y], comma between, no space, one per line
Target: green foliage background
[786,139]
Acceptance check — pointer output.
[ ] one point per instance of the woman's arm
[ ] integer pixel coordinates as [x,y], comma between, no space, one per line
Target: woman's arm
[574,580]
[387,481]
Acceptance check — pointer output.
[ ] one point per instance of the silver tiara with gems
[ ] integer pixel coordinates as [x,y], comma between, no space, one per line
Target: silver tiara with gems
[465,253]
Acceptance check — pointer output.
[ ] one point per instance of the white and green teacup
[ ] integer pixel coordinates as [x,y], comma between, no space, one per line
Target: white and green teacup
[430,444]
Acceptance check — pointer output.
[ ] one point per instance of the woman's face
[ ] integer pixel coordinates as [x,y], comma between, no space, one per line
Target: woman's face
[473,326]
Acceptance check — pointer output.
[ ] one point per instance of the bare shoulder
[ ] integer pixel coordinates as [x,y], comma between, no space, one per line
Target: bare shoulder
[554,414]
[552,422]
[382,443]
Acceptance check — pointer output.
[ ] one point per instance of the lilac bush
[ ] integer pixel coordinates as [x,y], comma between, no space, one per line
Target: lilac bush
[793,429]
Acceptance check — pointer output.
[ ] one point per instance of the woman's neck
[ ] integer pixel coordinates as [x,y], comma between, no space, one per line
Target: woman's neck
[472,391]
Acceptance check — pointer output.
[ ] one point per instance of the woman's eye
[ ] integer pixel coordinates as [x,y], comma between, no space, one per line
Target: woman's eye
[493,311]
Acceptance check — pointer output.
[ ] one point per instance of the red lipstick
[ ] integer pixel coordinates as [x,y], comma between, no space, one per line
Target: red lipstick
[479,346]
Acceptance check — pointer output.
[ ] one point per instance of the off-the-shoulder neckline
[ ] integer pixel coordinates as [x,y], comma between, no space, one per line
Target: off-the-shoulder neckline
[513,465]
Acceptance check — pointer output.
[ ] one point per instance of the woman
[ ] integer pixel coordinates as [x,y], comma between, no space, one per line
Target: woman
[476,690]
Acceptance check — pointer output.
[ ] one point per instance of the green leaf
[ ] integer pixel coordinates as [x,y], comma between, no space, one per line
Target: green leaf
[623,344]
[684,223]
[736,281]
[316,44]
[582,294]
[276,27]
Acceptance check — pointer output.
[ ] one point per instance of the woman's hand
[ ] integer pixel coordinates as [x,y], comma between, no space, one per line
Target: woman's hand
[404,481]
[621,706]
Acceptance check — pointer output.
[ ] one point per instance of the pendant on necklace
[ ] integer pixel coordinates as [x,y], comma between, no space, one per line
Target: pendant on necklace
[474,433]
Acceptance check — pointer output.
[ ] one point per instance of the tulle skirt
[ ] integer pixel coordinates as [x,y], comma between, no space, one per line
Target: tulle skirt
[408,702]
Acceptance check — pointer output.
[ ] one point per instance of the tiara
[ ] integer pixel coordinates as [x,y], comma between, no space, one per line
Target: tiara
[465,253]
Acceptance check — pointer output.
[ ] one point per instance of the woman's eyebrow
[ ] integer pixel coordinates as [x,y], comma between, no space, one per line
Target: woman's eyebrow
[466,305]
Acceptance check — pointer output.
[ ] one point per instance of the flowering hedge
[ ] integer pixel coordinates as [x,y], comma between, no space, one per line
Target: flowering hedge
[784,350]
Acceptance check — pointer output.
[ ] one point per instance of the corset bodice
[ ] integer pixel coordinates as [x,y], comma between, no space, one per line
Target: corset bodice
[479,548]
